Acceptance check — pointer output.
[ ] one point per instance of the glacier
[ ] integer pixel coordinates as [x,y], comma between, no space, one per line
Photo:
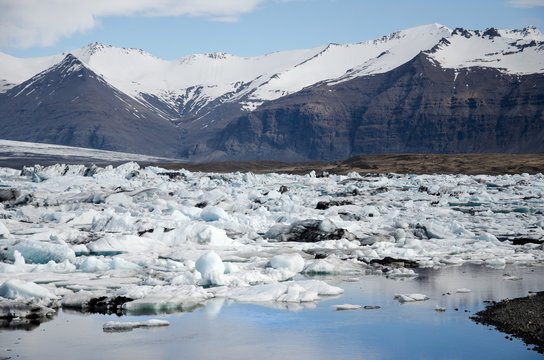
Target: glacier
[151,240]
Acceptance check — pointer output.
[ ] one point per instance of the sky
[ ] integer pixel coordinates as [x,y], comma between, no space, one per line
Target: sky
[170,29]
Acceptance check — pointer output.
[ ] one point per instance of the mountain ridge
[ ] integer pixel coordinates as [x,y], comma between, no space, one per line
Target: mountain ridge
[69,104]
[204,96]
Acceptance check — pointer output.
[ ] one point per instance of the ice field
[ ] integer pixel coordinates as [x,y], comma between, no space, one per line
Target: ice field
[138,241]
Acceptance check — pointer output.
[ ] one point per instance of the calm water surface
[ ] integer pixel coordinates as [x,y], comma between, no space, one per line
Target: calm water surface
[227,330]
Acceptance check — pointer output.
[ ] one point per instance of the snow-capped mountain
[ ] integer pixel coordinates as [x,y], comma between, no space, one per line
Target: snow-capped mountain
[69,104]
[203,93]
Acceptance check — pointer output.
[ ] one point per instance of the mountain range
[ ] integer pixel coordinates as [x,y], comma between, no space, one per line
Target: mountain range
[427,89]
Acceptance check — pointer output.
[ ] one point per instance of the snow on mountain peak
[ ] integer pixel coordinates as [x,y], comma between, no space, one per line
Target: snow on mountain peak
[512,51]
[97,50]
[201,78]
[528,33]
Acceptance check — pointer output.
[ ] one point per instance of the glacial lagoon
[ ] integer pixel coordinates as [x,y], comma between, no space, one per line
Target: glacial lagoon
[230,330]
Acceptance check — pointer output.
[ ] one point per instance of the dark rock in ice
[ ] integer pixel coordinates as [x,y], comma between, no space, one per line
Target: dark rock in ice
[174,175]
[103,305]
[350,193]
[322,174]
[24,200]
[521,240]
[151,231]
[283,189]
[141,232]
[521,317]
[308,231]
[201,205]
[12,198]
[420,232]
[380,190]
[323,205]
[349,216]
[393,262]
[90,171]
[9,195]
[133,174]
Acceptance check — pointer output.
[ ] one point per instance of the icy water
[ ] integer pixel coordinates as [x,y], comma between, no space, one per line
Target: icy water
[228,330]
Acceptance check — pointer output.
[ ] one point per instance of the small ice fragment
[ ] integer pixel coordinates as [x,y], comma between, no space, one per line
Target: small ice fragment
[211,267]
[208,235]
[496,263]
[4,232]
[512,277]
[399,235]
[347,307]
[463,291]
[327,226]
[489,238]
[93,264]
[439,309]
[297,293]
[293,262]
[213,213]
[118,326]
[401,273]
[410,297]
[122,264]
[371,307]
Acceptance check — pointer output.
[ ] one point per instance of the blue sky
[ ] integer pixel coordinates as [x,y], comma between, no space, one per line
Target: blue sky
[172,28]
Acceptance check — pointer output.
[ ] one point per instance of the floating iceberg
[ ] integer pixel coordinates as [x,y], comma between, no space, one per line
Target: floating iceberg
[165,241]
[118,326]
[403,298]
[19,289]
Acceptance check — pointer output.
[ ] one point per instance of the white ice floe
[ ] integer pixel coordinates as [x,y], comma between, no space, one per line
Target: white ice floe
[174,242]
[114,326]
[16,289]
[333,265]
[403,298]
[213,213]
[463,291]
[401,273]
[38,252]
[289,291]
[293,262]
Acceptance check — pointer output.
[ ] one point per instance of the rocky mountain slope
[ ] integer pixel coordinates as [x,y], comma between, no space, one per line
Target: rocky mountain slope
[418,107]
[425,89]
[69,104]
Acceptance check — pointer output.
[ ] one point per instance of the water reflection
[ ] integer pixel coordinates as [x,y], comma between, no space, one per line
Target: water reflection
[228,330]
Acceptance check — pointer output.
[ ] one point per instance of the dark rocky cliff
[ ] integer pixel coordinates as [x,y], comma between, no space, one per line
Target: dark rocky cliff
[418,107]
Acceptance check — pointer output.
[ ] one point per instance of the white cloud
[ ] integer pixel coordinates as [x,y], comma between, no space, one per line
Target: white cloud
[526,3]
[26,23]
